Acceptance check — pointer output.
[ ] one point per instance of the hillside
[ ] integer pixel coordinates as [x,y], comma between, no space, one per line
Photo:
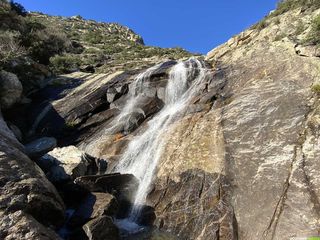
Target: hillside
[34,46]
[170,147]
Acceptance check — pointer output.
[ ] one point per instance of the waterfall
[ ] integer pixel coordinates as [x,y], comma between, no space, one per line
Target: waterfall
[143,152]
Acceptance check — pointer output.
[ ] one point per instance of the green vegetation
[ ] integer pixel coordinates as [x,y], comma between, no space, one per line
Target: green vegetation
[70,125]
[300,28]
[18,8]
[314,34]
[26,36]
[316,88]
[39,45]
[10,48]
[279,37]
[64,63]
[287,5]
[260,25]
[93,37]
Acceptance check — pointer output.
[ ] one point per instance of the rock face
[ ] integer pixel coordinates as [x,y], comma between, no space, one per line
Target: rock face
[266,131]
[19,225]
[28,200]
[197,206]
[10,89]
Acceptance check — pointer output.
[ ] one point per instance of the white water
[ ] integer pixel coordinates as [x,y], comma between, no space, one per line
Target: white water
[142,155]
[136,90]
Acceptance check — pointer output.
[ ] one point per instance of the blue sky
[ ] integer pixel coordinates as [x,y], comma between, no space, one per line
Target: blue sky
[195,25]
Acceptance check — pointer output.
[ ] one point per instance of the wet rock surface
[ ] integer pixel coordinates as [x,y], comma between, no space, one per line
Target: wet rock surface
[123,186]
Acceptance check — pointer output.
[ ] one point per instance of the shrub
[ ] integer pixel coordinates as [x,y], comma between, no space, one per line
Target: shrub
[287,5]
[260,25]
[314,34]
[316,88]
[300,28]
[18,8]
[10,47]
[4,7]
[9,19]
[46,43]
[64,64]
[93,37]
[279,37]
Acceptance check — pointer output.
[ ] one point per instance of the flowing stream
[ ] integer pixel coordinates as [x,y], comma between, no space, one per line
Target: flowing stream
[143,152]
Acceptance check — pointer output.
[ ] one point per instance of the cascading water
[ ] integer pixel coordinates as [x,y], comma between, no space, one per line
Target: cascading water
[136,89]
[142,155]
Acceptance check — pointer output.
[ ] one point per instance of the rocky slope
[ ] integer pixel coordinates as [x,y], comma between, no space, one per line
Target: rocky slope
[240,162]
[105,47]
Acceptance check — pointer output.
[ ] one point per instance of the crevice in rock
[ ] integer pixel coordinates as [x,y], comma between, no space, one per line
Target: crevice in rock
[280,205]
[313,196]
[163,194]
[202,186]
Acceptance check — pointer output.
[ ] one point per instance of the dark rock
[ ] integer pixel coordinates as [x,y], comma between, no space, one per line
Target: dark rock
[10,89]
[32,75]
[78,234]
[123,186]
[71,193]
[149,105]
[95,205]
[40,146]
[101,228]
[88,69]
[147,217]
[16,131]
[132,121]
[112,95]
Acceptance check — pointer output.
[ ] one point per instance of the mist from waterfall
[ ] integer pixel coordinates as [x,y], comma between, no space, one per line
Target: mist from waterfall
[143,152]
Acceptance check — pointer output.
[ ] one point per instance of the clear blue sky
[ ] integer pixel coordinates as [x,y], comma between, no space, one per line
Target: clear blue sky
[196,25]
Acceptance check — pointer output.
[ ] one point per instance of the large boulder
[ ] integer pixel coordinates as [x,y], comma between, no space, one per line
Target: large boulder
[101,228]
[24,188]
[95,205]
[123,186]
[68,163]
[10,89]
[62,164]
[40,146]
[22,226]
